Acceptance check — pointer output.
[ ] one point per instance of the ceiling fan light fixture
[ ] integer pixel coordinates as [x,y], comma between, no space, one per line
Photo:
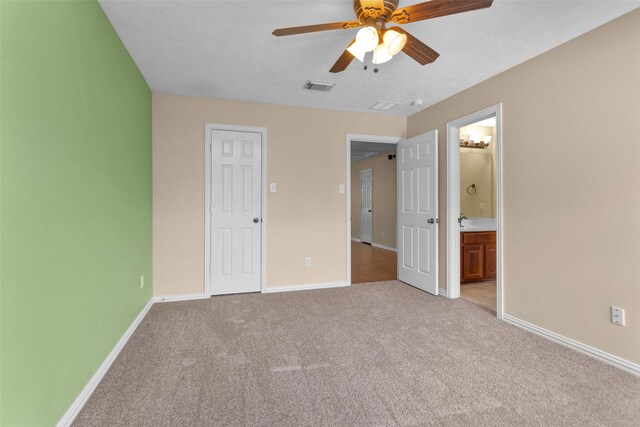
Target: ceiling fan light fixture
[357,51]
[394,40]
[374,15]
[381,54]
[367,38]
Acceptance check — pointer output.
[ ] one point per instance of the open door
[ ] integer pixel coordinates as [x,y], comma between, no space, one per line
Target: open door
[418,211]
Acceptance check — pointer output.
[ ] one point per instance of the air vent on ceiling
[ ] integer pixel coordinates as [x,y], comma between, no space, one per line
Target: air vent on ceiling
[383,106]
[321,86]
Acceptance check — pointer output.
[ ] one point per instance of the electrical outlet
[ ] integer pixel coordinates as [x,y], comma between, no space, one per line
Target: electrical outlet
[272,187]
[307,261]
[617,315]
[341,188]
[141,281]
[382,234]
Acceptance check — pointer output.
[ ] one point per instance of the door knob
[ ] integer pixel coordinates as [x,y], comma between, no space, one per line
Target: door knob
[369,210]
[256,220]
[433,221]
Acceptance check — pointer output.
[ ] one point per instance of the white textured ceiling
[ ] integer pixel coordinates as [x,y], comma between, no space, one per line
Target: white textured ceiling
[224,49]
[361,150]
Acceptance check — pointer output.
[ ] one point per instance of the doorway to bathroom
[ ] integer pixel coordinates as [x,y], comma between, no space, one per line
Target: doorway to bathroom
[474,209]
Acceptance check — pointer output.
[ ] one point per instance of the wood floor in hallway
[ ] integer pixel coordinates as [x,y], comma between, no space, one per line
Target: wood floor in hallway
[371,264]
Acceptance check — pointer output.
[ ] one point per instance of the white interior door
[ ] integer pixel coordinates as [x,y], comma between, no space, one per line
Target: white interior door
[366,205]
[236,206]
[417,211]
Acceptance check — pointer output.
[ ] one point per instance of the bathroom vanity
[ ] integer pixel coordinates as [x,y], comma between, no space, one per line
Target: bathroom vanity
[477,251]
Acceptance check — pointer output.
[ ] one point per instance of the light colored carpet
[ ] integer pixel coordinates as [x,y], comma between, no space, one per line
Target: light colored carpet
[380,354]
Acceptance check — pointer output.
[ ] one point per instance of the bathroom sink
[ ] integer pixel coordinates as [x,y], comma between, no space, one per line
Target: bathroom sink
[478,224]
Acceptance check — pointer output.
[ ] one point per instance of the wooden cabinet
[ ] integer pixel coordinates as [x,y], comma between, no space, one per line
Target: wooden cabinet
[472,263]
[477,256]
[490,265]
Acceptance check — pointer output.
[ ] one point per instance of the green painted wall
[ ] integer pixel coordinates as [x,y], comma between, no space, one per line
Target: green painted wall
[75,195]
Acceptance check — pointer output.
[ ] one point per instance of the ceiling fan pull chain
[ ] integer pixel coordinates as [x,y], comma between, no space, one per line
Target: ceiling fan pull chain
[375,69]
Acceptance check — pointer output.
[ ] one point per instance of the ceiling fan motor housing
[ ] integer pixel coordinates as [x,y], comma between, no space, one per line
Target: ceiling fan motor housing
[369,12]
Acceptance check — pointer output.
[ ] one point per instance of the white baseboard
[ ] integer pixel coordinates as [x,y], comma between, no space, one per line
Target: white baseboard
[183,297]
[388,248]
[86,392]
[376,245]
[306,287]
[603,356]
[442,292]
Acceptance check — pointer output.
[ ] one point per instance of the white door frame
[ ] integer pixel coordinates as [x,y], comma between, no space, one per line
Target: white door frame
[371,171]
[359,137]
[208,128]
[453,202]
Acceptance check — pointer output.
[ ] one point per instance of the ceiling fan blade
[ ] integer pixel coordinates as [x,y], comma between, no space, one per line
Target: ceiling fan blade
[437,8]
[417,50]
[343,62]
[314,28]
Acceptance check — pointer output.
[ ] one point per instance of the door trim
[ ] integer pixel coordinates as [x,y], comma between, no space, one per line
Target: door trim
[453,203]
[208,128]
[359,137]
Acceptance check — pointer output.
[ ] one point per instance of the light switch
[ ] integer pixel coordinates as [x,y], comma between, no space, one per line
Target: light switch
[617,315]
[341,188]
[272,187]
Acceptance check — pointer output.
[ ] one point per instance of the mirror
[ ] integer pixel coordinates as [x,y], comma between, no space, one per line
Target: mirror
[477,170]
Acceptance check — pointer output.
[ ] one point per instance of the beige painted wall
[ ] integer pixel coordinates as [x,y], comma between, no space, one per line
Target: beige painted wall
[307,160]
[475,169]
[384,198]
[571,174]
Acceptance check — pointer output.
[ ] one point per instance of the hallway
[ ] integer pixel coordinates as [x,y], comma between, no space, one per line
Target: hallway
[371,264]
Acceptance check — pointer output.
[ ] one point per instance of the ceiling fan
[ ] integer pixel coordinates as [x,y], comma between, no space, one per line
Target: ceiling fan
[374,15]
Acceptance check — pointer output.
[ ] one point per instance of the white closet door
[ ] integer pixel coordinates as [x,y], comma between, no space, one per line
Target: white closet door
[236,206]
